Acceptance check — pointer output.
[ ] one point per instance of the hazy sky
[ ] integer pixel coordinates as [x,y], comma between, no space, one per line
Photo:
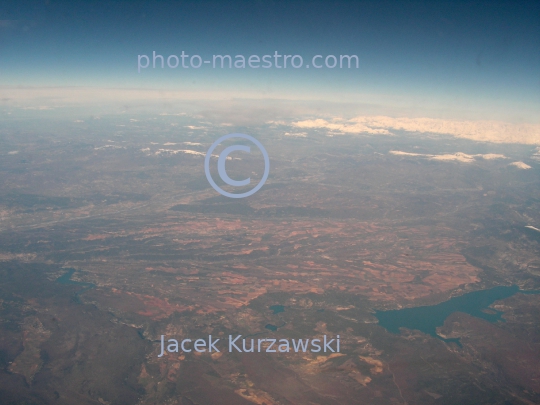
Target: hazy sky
[483,58]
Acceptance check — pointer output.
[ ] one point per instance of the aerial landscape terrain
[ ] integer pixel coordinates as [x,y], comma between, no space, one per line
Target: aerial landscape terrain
[420,250]
[267,202]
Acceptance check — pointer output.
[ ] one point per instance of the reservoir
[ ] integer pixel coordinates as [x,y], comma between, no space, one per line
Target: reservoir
[427,318]
[66,279]
[271,327]
[277,309]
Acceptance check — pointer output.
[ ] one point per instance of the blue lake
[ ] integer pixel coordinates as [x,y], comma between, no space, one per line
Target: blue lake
[277,309]
[66,279]
[427,318]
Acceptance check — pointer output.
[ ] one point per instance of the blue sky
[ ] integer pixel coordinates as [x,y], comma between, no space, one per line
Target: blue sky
[483,55]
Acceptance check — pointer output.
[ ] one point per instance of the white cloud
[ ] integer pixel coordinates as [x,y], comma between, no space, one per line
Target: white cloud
[348,127]
[174,152]
[400,153]
[296,134]
[458,156]
[536,155]
[226,107]
[520,165]
[109,147]
[486,131]
[490,156]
